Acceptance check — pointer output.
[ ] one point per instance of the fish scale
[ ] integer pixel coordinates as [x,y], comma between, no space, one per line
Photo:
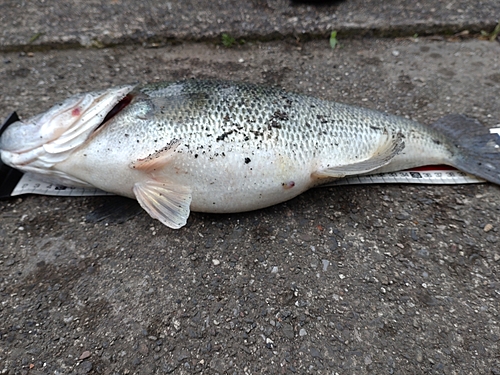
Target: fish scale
[219,146]
[310,124]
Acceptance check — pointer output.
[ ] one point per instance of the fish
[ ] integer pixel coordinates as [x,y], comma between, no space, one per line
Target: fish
[223,147]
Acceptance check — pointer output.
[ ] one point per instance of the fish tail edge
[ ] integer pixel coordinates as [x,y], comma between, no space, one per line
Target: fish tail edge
[476,149]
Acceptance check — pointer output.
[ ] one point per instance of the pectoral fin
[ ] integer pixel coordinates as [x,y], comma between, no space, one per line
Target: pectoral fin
[164,201]
[390,146]
[158,159]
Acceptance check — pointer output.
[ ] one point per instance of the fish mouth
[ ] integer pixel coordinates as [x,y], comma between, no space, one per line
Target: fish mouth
[48,138]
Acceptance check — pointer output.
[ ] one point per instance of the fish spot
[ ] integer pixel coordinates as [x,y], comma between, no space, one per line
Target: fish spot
[224,135]
[322,119]
[76,112]
[275,125]
[288,185]
[280,115]
[436,141]
[247,160]
[195,156]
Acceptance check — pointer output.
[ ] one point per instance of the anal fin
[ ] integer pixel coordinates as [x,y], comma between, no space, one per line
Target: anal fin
[389,146]
[167,202]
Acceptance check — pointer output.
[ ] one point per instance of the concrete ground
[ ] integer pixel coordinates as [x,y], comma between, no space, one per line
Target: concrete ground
[381,279]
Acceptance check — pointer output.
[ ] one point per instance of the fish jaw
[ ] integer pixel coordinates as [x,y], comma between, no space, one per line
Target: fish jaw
[36,145]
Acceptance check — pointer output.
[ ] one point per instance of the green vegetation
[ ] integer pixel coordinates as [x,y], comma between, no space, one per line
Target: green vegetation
[494,34]
[228,40]
[333,40]
[35,37]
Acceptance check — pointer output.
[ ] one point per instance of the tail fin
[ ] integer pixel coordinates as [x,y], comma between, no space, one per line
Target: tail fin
[477,148]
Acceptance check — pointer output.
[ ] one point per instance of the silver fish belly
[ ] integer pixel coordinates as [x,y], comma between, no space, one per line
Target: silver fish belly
[216,146]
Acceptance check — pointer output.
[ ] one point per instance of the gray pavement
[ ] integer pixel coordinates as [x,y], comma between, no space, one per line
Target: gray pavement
[351,280]
[74,23]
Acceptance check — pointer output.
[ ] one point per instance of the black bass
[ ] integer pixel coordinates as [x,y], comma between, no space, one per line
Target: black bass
[216,146]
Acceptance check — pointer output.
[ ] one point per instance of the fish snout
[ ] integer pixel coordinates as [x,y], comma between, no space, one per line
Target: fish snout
[18,137]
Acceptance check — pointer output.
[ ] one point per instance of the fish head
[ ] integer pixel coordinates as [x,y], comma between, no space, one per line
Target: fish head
[36,144]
